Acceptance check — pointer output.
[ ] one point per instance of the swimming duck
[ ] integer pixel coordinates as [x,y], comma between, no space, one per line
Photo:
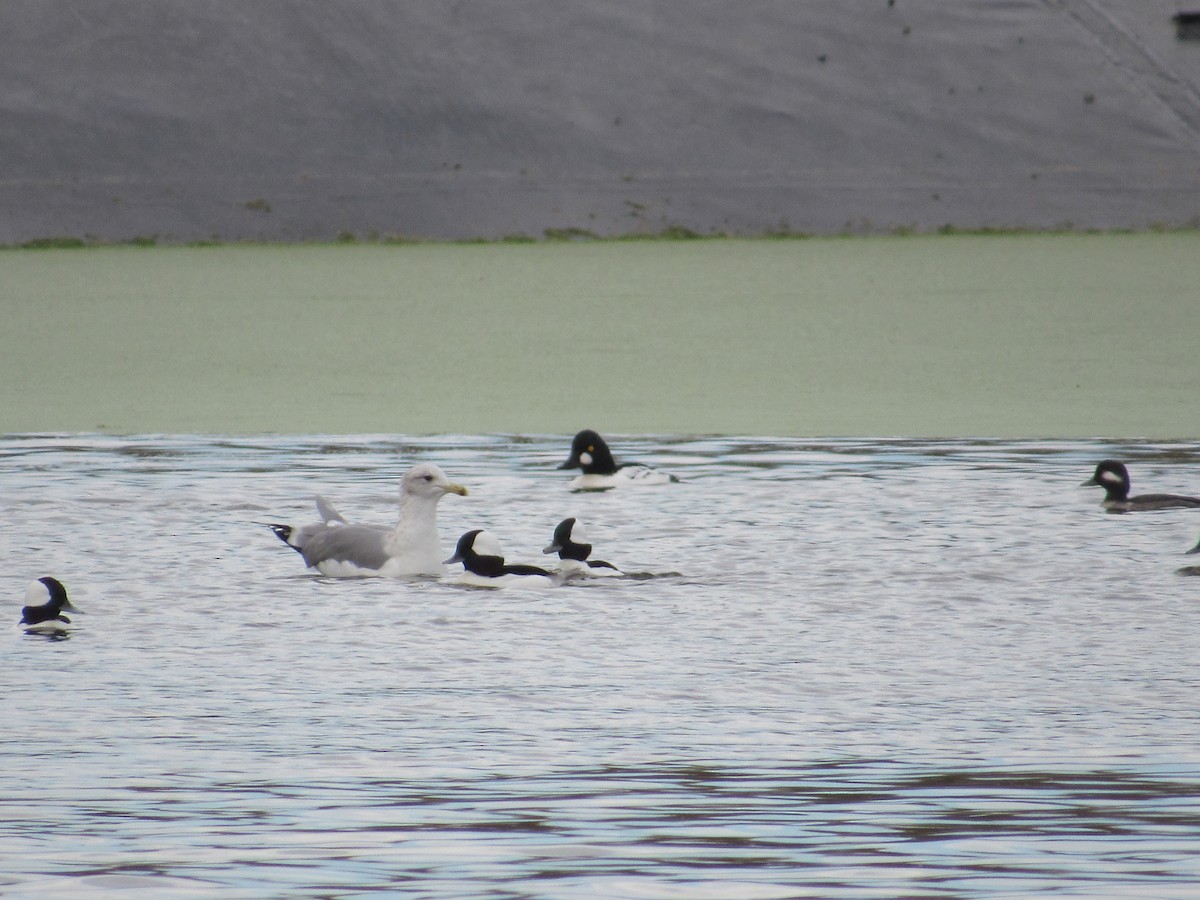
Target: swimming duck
[484,566]
[409,548]
[47,599]
[1114,478]
[590,453]
[570,542]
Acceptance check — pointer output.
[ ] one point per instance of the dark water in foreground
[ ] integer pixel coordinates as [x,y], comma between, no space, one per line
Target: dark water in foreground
[884,668]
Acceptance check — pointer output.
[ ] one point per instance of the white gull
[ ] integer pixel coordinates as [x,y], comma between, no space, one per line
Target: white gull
[335,548]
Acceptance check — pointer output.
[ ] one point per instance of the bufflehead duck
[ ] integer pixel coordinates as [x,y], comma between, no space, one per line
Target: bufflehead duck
[1114,478]
[47,599]
[483,562]
[601,472]
[410,548]
[571,544]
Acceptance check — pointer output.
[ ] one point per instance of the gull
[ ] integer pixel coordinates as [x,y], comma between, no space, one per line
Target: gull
[338,549]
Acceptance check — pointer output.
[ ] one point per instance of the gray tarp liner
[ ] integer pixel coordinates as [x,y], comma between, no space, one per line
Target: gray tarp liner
[303,119]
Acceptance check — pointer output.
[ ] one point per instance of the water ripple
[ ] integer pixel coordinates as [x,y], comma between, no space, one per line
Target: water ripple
[859,669]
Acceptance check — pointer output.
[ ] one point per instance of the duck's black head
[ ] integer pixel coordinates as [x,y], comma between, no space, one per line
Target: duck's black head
[590,453]
[1113,477]
[569,541]
[53,597]
[479,552]
[58,593]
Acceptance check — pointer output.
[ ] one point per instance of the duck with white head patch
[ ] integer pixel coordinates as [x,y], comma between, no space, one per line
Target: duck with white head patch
[570,542]
[47,599]
[1114,478]
[484,566]
[601,472]
[408,549]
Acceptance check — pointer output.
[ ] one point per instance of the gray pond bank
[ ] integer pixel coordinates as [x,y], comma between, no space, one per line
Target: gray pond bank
[187,120]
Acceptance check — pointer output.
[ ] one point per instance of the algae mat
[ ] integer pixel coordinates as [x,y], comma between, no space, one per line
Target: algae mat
[954,336]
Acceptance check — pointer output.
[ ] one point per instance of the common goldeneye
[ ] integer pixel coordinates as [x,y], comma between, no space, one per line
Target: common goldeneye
[1114,478]
[601,472]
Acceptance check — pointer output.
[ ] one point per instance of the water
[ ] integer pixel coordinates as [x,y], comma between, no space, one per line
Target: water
[1014,336]
[883,668]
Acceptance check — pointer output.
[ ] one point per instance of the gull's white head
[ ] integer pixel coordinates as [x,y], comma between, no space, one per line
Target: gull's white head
[427,480]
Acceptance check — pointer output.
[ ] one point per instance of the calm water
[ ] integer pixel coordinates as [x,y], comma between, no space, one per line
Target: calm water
[1003,336]
[884,668]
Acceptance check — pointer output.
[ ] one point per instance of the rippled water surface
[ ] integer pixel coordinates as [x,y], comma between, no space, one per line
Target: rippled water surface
[860,669]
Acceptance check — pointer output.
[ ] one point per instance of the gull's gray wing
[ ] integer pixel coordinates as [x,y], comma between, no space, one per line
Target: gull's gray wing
[361,545]
[328,512]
